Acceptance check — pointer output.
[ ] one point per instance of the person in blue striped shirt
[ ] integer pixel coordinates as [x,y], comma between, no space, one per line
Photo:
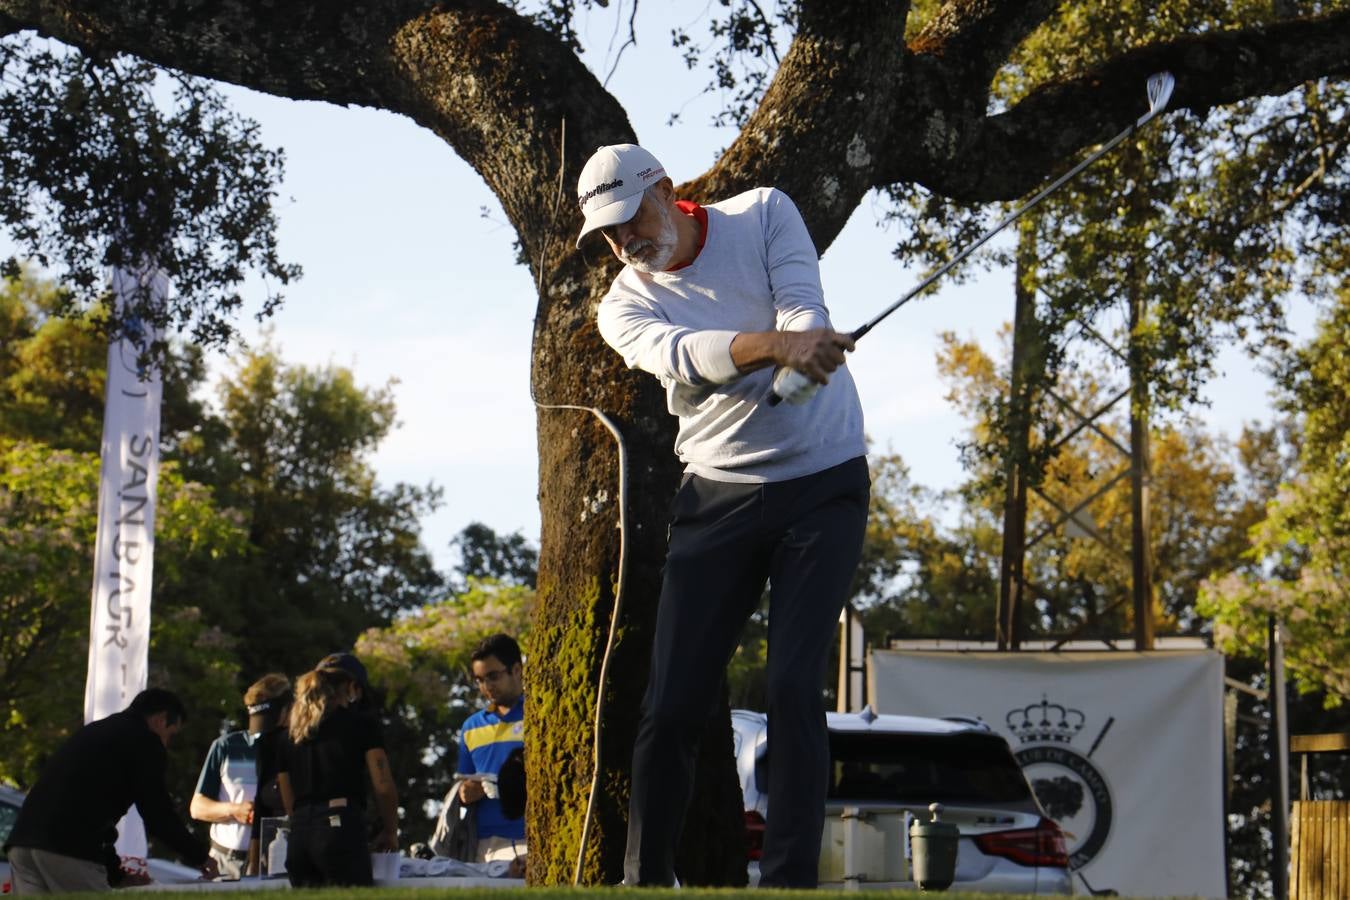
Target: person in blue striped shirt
[488,737]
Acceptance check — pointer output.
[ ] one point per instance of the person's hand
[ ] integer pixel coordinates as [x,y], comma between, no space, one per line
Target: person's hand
[387,840]
[471,791]
[134,877]
[242,812]
[815,353]
[210,869]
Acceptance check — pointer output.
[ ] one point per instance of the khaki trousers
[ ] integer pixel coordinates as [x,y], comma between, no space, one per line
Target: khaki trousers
[45,872]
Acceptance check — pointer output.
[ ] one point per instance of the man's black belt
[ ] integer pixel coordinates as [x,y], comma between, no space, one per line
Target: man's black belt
[229,852]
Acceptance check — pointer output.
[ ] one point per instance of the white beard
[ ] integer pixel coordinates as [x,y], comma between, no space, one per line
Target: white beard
[654,255]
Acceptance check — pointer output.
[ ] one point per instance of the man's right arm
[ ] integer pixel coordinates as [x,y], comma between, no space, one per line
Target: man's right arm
[697,358]
[204,809]
[815,353]
[205,805]
[470,789]
[648,342]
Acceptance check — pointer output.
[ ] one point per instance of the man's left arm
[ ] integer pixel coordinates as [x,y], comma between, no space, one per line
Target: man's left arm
[156,809]
[793,267]
[803,338]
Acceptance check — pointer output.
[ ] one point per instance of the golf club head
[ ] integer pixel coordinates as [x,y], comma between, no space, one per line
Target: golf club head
[1160,86]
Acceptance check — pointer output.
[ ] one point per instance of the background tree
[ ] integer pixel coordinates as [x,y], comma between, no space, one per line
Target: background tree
[421,664]
[260,564]
[1208,492]
[48,517]
[98,172]
[857,100]
[334,553]
[507,558]
[1296,566]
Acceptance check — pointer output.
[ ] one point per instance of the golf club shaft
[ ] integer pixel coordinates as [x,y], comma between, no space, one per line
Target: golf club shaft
[1055,185]
[1160,87]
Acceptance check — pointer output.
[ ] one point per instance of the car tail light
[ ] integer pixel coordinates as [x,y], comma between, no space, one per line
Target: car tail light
[1039,846]
[754,834]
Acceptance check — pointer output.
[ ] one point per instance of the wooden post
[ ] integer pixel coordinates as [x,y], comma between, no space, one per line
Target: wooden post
[1319,854]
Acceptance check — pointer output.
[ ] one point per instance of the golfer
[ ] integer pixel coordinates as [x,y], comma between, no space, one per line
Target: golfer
[712,301]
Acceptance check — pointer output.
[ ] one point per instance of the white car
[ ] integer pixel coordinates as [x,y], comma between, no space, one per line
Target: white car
[162,871]
[890,768]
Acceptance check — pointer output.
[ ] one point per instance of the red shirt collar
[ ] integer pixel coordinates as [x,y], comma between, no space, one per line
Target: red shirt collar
[690,208]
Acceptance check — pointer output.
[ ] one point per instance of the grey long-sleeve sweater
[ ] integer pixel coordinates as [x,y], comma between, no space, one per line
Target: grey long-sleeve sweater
[757,271]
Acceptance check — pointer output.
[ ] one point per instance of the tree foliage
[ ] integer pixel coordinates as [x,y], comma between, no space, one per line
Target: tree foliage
[48,517]
[1298,563]
[1211,220]
[421,661]
[484,554]
[108,160]
[266,558]
[1207,491]
[335,553]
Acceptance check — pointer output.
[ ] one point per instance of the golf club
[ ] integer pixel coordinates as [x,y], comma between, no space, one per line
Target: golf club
[793,386]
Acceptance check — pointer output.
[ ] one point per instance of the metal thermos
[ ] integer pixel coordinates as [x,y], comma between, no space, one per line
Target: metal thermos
[932,848]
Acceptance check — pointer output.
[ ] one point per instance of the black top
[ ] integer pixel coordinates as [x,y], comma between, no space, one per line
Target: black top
[332,762]
[90,783]
[267,802]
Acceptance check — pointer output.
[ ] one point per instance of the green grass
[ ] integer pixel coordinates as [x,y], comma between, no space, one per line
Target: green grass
[567,893]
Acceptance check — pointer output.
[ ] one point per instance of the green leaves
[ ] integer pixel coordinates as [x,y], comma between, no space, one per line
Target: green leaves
[1298,564]
[48,516]
[275,544]
[108,162]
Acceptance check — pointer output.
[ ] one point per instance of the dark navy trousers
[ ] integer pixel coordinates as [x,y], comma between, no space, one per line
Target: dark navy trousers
[804,536]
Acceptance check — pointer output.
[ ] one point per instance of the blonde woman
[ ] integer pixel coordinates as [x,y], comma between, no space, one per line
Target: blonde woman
[322,759]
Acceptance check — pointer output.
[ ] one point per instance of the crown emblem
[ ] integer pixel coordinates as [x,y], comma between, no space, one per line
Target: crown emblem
[1045,722]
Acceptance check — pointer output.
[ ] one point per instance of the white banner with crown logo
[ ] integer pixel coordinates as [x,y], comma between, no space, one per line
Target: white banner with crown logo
[1123,749]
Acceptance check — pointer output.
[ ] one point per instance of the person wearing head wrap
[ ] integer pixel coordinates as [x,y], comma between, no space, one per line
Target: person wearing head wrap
[228,783]
[269,704]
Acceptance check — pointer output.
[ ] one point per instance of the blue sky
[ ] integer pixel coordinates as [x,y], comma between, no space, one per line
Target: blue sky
[407,278]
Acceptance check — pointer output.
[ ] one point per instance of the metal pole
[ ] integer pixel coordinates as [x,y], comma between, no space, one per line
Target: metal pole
[1279,760]
[1026,353]
[844,700]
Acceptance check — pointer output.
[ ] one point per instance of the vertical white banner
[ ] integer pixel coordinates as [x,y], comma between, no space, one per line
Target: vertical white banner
[124,549]
[1123,749]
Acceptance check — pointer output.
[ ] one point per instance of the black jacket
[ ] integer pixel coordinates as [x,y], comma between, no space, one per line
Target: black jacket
[90,783]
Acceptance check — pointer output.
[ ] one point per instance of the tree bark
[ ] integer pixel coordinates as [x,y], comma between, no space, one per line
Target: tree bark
[851,108]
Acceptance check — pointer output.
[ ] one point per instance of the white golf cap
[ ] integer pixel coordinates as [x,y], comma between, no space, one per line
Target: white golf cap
[610,188]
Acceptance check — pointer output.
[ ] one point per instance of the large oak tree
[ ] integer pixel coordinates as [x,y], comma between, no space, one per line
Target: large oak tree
[859,100]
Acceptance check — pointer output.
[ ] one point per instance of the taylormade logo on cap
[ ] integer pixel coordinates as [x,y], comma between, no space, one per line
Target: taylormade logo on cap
[610,188]
[598,190]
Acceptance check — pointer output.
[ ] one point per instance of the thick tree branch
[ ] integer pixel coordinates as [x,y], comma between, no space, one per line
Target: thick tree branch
[824,121]
[492,84]
[308,51]
[1004,156]
[978,35]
